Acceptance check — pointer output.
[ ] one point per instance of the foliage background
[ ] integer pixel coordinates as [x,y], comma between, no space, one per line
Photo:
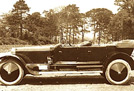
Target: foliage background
[66,24]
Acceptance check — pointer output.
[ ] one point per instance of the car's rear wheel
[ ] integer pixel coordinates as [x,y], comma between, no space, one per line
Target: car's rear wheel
[118,72]
[11,72]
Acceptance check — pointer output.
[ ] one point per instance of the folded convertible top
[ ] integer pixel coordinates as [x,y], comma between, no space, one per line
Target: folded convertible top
[125,44]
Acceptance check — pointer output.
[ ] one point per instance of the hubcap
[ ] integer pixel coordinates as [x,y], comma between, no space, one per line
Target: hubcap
[118,72]
[9,72]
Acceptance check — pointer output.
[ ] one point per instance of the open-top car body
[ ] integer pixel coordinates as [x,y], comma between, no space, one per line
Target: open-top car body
[113,61]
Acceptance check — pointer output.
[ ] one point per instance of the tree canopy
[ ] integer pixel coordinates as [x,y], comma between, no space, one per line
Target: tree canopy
[67,25]
[100,19]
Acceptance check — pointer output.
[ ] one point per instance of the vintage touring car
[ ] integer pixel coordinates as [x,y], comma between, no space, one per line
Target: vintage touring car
[114,62]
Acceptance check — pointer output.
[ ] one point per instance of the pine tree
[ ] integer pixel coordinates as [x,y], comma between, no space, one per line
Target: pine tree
[19,13]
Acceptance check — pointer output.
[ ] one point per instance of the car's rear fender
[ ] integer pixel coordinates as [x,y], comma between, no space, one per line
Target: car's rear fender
[118,55]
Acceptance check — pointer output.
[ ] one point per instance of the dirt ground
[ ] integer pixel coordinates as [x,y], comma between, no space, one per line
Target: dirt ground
[77,83]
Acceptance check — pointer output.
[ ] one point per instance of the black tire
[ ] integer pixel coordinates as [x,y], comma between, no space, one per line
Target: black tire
[118,72]
[11,72]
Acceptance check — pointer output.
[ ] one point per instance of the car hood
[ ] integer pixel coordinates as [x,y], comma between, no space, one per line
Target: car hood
[35,48]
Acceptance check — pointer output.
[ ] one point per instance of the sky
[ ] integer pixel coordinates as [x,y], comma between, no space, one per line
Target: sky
[41,5]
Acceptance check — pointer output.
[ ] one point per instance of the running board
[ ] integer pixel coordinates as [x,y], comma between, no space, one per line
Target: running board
[90,66]
[70,72]
[77,63]
[67,73]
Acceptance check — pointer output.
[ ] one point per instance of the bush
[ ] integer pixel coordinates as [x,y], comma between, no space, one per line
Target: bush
[39,40]
[31,41]
[12,41]
[44,40]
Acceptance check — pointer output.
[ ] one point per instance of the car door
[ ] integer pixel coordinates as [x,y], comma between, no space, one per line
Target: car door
[91,53]
[66,54]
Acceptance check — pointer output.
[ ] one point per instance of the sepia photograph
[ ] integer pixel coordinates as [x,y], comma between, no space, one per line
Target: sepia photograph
[66,45]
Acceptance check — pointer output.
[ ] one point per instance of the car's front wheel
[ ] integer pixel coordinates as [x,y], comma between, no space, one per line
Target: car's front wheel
[11,72]
[118,72]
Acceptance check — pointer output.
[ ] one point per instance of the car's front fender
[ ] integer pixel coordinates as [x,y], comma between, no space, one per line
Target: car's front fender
[10,55]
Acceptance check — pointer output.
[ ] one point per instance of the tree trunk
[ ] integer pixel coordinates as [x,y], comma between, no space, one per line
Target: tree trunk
[61,36]
[21,31]
[21,27]
[70,36]
[73,36]
[82,35]
[67,34]
[83,28]
[99,40]
[94,37]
